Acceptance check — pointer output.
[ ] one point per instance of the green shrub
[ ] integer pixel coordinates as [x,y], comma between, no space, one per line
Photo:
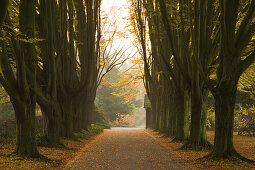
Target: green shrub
[95,129]
[105,125]
[92,130]
[82,134]
[245,121]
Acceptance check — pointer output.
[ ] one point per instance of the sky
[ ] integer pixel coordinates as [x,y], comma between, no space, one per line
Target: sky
[117,11]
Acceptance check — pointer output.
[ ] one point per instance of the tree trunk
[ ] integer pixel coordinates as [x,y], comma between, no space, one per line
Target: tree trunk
[25,130]
[52,124]
[26,79]
[187,108]
[3,10]
[148,116]
[157,113]
[180,111]
[197,139]
[153,113]
[88,113]
[203,135]
[78,117]
[67,113]
[225,97]
[196,110]
[171,116]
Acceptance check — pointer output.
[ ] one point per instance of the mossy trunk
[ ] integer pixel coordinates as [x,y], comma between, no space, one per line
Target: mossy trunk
[78,115]
[187,108]
[52,121]
[164,119]
[67,119]
[148,117]
[3,10]
[25,102]
[196,110]
[197,139]
[153,113]
[157,113]
[171,116]
[180,111]
[88,111]
[225,97]
[203,136]
[25,130]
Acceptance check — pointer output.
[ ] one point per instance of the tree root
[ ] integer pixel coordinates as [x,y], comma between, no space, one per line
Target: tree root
[44,141]
[177,140]
[197,145]
[232,156]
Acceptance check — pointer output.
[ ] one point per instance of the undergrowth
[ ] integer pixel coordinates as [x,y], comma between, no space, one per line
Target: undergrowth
[92,130]
[5,137]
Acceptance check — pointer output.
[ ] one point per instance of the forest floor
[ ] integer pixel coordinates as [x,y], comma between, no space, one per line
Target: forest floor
[125,149]
[57,156]
[245,145]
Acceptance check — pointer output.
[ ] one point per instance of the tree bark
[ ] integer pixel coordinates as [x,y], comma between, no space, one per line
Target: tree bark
[197,139]
[25,129]
[3,10]
[148,116]
[67,117]
[52,121]
[26,79]
[225,97]
[180,111]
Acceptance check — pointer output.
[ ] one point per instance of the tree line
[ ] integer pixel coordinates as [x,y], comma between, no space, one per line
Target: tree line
[191,49]
[51,54]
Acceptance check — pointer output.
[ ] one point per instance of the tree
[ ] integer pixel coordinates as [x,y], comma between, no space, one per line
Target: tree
[235,56]
[46,88]
[194,47]
[3,11]
[130,84]
[21,86]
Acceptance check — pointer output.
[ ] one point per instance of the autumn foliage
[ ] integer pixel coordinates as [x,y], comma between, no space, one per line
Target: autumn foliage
[124,120]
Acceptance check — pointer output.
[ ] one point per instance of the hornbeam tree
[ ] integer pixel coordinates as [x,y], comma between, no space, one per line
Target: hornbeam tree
[237,53]
[194,46]
[21,86]
[46,88]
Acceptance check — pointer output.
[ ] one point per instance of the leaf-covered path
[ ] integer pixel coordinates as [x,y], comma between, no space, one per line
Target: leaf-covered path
[124,149]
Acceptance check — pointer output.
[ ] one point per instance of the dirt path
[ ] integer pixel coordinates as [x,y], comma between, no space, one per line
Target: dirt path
[124,149]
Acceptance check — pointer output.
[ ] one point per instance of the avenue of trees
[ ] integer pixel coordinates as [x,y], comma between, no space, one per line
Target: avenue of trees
[191,49]
[53,53]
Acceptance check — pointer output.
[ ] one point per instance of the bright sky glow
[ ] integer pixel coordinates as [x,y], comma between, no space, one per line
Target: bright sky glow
[116,17]
[117,14]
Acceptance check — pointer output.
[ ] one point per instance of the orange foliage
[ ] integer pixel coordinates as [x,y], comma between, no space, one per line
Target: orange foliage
[124,120]
[130,85]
